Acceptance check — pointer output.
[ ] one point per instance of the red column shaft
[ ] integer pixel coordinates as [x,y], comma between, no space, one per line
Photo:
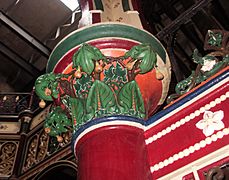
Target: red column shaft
[113,153]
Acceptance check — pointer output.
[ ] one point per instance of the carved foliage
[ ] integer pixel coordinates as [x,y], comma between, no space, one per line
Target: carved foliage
[37,150]
[8,151]
[97,86]
[41,146]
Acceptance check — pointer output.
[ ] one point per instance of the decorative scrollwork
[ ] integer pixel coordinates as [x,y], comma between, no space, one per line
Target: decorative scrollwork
[37,149]
[208,65]
[10,103]
[31,156]
[41,146]
[14,103]
[8,151]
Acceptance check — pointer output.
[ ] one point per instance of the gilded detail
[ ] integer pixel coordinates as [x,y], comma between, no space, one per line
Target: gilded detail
[31,156]
[8,151]
[41,146]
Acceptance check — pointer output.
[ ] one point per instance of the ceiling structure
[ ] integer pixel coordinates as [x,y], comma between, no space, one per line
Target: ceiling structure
[29,30]
[28,33]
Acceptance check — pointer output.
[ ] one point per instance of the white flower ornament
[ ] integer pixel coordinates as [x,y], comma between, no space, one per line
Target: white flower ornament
[212,121]
[208,65]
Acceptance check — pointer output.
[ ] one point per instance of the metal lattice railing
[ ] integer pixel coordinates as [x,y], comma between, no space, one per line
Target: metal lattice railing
[11,104]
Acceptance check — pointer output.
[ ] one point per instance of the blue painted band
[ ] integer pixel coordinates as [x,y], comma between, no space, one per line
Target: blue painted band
[103,120]
[187,98]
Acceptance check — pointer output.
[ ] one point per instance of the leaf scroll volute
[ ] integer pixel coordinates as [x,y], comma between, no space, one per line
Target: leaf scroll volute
[85,58]
[100,97]
[145,54]
[130,97]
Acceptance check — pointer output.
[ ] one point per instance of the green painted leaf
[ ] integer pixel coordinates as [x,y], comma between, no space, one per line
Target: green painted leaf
[134,51]
[130,98]
[47,81]
[57,121]
[97,53]
[109,73]
[145,54]
[120,73]
[77,110]
[85,56]
[83,85]
[215,39]
[196,58]
[184,85]
[100,97]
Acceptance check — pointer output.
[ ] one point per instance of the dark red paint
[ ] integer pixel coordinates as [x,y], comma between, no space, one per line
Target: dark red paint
[113,153]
